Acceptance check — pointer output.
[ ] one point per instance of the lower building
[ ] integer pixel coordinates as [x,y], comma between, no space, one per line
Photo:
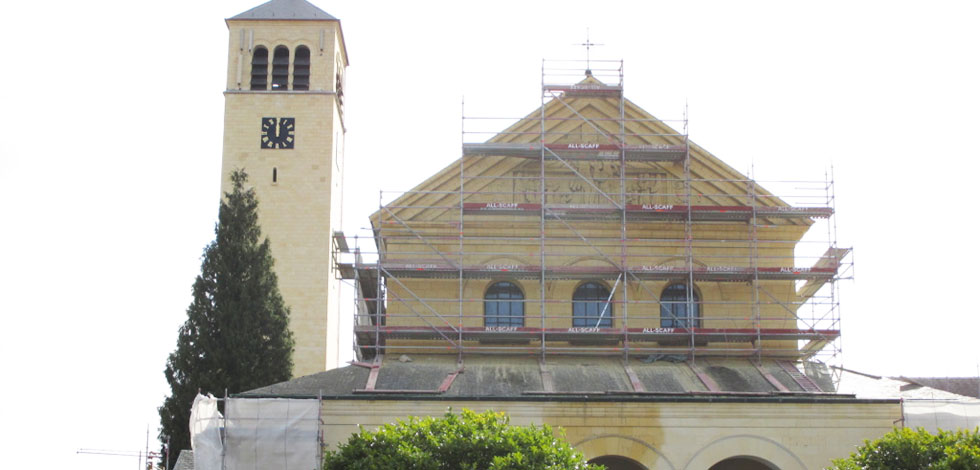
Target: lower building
[931,403]
[721,414]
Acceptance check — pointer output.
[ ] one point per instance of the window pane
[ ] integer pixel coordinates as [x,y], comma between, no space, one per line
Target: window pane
[675,309]
[590,306]
[503,305]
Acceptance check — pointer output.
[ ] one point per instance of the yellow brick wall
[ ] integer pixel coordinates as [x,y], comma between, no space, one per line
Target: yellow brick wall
[723,304]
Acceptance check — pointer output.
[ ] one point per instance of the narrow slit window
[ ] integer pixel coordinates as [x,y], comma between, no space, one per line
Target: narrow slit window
[280,69]
[301,69]
[275,175]
[260,68]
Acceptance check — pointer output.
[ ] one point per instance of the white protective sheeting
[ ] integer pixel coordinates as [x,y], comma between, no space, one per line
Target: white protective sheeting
[206,433]
[942,414]
[272,433]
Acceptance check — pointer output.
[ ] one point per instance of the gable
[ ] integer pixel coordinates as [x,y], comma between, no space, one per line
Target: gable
[584,138]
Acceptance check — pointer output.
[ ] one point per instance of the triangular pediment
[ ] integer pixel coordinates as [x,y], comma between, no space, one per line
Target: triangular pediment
[580,123]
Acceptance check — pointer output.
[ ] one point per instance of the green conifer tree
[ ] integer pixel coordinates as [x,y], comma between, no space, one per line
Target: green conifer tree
[236,336]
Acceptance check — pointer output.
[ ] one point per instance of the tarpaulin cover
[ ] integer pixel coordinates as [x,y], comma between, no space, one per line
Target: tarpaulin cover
[272,433]
[206,433]
[942,414]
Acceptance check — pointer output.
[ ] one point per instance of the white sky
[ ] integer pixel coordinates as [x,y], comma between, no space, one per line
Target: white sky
[109,166]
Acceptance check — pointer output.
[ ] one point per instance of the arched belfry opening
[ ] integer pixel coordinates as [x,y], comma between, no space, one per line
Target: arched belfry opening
[616,462]
[260,68]
[301,69]
[743,463]
[280,68]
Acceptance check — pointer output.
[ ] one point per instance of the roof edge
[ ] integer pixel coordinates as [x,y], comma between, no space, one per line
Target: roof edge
[699,398]
[285,9]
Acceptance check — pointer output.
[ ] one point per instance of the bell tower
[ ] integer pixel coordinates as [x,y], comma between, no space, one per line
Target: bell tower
[284,124]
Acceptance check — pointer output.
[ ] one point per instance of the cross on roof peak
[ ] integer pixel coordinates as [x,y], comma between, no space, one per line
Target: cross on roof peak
[588,45]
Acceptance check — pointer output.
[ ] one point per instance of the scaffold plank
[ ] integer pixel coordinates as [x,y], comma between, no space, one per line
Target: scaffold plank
[647,211]
[586,89]
[425,269]
[346,270]
[588,334]
[581,151]
[340,241]
[831,258]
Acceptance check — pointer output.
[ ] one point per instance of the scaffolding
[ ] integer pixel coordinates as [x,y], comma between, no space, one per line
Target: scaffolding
[590,190]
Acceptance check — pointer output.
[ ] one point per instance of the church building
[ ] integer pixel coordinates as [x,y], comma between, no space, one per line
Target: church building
[588,267]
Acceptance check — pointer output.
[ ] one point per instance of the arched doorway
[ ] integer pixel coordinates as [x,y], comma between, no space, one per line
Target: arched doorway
[615,462]
[743,463]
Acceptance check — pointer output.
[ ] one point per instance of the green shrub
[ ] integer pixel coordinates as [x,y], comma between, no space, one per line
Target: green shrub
[467,441]
[908,449]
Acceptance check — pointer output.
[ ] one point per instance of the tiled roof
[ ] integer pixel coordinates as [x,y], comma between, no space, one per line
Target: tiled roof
[185,461]
[966,386]
[285,10]
[865,385]
[488,377]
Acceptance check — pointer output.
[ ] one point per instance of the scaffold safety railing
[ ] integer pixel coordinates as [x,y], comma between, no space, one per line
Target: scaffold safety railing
[591,227]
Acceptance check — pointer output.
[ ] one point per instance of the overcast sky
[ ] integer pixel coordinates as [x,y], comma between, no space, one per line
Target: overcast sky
[109,166]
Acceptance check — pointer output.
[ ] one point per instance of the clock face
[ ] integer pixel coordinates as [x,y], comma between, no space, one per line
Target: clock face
[278,133]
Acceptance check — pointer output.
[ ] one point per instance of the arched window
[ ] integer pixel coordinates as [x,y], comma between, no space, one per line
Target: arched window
[591,307]
[260,68]
[676,311]
[280,68]
[503,305]
[301,69]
